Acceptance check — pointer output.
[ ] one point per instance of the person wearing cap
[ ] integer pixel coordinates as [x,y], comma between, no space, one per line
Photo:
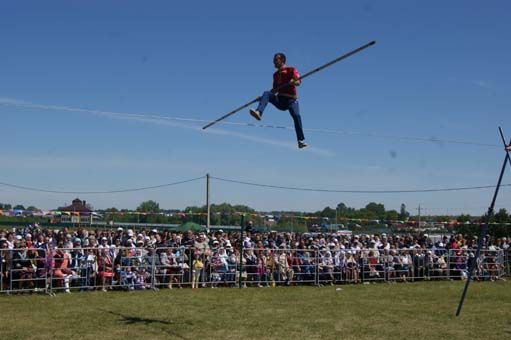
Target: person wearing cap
[215,245]
[356,246]
[77,242]
[227,244]
[201,244]
[104,243]
[28,239]
[139,243]
[440,249]
[150,241]
[374,248]
[247,243]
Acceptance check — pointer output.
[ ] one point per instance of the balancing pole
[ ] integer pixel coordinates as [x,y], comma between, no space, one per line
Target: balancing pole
[484,230]
[242,229]
[344,56]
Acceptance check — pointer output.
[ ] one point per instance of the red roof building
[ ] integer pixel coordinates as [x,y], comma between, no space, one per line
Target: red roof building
[78,206]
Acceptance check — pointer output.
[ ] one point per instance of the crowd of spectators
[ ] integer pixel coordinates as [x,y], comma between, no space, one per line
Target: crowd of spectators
[41,259]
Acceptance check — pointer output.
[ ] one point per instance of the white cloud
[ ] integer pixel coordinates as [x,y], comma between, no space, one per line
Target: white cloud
[41,162]
[10,101]
[483,84]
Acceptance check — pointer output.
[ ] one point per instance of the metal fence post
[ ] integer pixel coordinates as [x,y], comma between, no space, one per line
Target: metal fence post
[316,269]
[449,264]
[241,250]
[153,270]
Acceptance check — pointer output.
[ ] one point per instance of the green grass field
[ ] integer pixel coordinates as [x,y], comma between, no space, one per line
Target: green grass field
[422,310]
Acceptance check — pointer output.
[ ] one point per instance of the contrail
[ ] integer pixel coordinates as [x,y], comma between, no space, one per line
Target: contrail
[123,115]
[162,121]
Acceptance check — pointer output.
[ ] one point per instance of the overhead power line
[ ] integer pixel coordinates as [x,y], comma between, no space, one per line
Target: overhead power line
[282,187]
[357,191]
[99,192]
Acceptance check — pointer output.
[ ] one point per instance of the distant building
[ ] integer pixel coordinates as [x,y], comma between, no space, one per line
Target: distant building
[77,212]
[77,206]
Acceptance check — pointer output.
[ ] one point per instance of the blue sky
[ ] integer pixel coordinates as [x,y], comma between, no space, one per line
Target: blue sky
[438,70]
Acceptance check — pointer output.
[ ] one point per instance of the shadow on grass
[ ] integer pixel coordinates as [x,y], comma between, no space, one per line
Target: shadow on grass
[134,320]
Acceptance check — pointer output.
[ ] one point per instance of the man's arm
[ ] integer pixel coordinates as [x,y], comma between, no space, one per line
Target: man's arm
[296,78]
[274,85]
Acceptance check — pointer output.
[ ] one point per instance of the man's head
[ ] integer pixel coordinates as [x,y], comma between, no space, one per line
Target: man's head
[279,59]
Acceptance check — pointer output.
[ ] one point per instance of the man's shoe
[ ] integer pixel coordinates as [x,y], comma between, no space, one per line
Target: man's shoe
[301,144]
[255,114]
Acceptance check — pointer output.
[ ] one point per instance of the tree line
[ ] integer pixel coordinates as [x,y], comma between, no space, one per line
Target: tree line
[226,214]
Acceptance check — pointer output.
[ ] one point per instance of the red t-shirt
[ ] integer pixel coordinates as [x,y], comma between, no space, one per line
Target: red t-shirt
[284,76]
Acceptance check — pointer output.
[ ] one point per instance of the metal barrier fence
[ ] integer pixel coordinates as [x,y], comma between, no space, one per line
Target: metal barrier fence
[507,262]
[82,269]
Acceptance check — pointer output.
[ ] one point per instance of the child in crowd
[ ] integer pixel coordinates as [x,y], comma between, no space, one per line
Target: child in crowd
[197,267]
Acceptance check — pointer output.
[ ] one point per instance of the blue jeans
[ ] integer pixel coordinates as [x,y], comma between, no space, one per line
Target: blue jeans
[284,104]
